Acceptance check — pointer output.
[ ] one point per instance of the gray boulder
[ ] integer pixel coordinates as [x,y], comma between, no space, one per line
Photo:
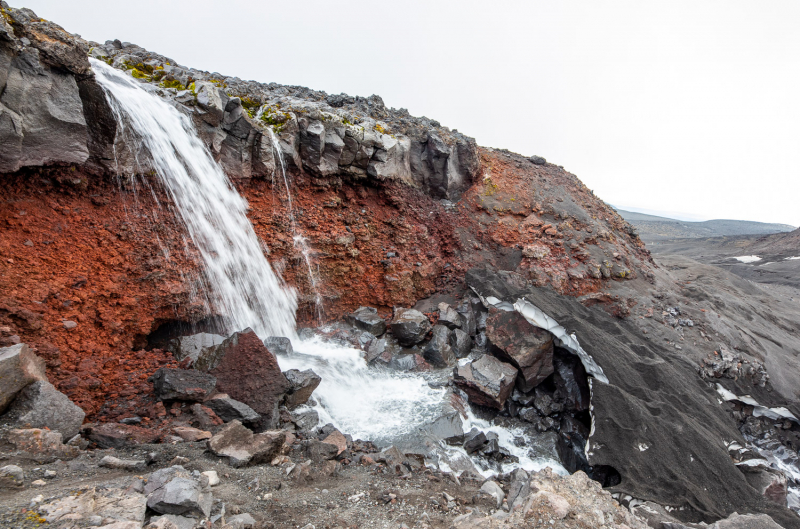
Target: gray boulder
[460,343]
[367,319]
[11,477]
[229,409]
[306,420]
[302,384]
[449,317]
[487,381]
[438,351]
[279,345]
[18,368]
[448,428]
[495,491]
[409,326]
[537,160]
[40,405]
[192,346]
[183,384]
[469,322]
[174,491]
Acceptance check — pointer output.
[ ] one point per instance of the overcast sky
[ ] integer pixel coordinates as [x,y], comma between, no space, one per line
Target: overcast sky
[688,107]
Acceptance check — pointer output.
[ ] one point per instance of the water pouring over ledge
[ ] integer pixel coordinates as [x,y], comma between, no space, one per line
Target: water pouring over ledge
[382,406]
[242,285]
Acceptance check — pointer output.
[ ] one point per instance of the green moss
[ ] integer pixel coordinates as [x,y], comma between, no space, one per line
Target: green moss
[172,83]
[139,74]
[250,105]
[275,118]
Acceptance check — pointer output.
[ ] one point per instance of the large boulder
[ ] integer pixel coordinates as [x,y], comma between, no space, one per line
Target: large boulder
[18,368]
[229,409]
[302,384]
[248,372]
[367,319]
[528,348]
[449,317]
[242,447]
[192,346]
[409,326]
[438,351]
[40,445]
[173,490]
[279,345]
[487,381]
[40,405]
[183,384]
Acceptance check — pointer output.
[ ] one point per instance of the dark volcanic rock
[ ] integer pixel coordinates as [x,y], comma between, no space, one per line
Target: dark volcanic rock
[302,384]
[192,346]
[448,428]
[409,326]
[40,405]
[487,381]
[469,324]
[449,317]
[572,387]
[183,384]
[526,347]
[438,351]
[279,345]
[474,441]
[461,343]
[248,372]
[113,435]
[367,319]
[229,409]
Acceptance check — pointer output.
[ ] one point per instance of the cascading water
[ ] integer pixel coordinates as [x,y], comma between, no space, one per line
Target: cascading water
[242,284]
[382,406]
[299,240]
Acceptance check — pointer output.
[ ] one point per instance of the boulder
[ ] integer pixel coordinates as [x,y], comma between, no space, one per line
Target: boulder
[493,489]
[487,381]
[381,350]
[469,322]
[40,445]
[40,405]
[229,409]
[174,491]
[367,319]
[132,465]
[306,420]
[318,451]
[279,345]
[460,343]
[11,477]
[448,428]
[242,447]
[438,351]
[192,346]
[182,384]
[409,326]
[248,372]
[474,441]
[411,362]
[337,439]
[191,435]
[530,349]
[115,435]
[302,384]
[449,317]
[18,368]
[769,482]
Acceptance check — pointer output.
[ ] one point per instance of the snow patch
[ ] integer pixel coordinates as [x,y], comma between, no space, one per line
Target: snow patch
[748,258]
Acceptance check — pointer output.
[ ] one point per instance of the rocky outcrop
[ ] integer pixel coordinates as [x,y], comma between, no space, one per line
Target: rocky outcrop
[487,381]
[528,348]
[18,368]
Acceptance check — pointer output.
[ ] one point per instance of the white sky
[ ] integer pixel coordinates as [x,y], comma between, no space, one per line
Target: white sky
[678,106]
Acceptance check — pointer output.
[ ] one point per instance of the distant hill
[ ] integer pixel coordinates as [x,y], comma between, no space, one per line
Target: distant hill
[652,228]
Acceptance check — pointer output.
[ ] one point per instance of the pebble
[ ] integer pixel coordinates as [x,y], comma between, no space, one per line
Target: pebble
[50,473]
[39,483]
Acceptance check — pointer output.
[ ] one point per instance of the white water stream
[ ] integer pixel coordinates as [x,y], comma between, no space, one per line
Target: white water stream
[382,406]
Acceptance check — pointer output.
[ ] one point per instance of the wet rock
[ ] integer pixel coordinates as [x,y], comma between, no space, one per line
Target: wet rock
[572,386]
[514,340]
[523,399]
[469,323]
[229,409]
[41,445]
[545,404]
[448,428]
[40,405]
[449,317]
[302,384]
[18,368]
[460,343]
[367,319]
[306,420]
[279,345]
[242,447]
[11,477]
[132,465]
[541,423]
[192,346]
[438,351]
[409,326]
[182,384]
[115,435]
[487,381]
[474,441]
[411,362]
[493,489]
[248,372]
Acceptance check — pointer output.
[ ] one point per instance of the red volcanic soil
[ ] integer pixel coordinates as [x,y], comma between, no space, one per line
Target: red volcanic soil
[114,260]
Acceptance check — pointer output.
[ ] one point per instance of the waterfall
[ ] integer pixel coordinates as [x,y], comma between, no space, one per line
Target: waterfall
[242,285]
[300,241]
